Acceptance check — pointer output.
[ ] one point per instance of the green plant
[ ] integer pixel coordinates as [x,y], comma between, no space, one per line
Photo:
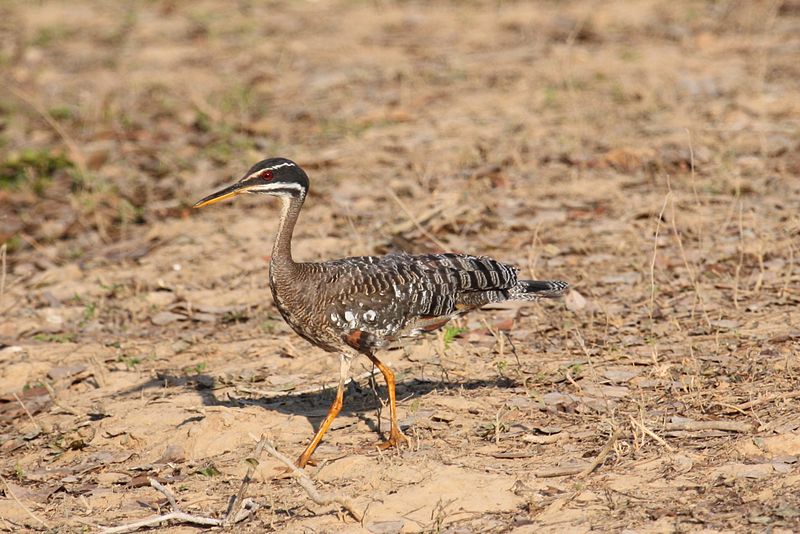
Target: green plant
[208,471]
[452,332]
[501,366]
[35,166]
[68,337]
[130,361]
[89,311]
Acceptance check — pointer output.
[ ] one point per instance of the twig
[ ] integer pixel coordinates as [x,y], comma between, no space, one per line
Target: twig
[652,434]
[177,514]
[158,519]
[740,264]
[167,493]
[308,485]
[728,426]
[655,254]
[693,277]
[544,440]
[563,471]
[590,361]
[238,500]
[766,400]
[19,503]
[381,403]
[30,416]
[731,408]
[3,250]
[692,167]
[601,456]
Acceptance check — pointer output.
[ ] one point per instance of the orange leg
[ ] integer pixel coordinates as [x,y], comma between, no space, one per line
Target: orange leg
[333,411]
[396,437]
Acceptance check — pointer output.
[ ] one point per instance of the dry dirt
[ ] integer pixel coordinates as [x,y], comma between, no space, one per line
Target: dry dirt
[648,152]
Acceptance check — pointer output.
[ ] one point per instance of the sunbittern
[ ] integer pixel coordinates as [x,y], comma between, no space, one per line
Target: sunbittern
[361,304]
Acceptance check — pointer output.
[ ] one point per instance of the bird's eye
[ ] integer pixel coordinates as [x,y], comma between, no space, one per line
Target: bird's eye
[266,175]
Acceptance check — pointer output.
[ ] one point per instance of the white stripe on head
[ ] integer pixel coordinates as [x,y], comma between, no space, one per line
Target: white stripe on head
[277,189]
[266,188]
[274,167]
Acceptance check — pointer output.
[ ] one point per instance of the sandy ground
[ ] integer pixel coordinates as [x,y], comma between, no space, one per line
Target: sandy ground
[648,152]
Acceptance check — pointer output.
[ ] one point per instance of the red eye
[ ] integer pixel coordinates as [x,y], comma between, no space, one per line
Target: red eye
[267,175]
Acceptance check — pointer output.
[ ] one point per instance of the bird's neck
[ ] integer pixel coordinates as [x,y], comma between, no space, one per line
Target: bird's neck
[282,249]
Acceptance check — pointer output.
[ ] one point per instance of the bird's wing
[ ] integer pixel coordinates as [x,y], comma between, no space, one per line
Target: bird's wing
[387,297]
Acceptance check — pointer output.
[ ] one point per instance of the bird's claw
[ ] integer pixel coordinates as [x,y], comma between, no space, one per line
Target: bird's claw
[396,438]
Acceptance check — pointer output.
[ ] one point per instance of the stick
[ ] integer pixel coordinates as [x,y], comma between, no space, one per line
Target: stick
[27,412]
[543,440]
[652,434]
[238,500]
[552,472]
[167,493]
[600,458]
[19,503]
[728,426]
[155,520]
[655,253]
[589,360]
[230,518]
[766,400]
[307,484]
[3,250]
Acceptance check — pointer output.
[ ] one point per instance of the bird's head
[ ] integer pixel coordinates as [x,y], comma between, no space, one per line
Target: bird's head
[278,177]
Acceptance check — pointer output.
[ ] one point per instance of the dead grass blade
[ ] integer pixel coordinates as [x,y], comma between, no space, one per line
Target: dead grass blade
[765,400]
[27,412]
[76,155]
[238,500]
[416,223]
[652,434]
[3,251]
[602,455]
[25,508]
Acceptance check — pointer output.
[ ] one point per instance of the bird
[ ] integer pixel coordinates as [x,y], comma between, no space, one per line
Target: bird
[360,305]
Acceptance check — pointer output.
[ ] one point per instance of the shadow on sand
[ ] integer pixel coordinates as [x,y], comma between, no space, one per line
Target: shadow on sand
[359,400]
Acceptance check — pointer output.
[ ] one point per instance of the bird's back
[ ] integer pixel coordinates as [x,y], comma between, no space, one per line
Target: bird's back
[369,302]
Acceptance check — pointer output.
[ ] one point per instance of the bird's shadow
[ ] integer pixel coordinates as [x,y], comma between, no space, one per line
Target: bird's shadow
[359,399]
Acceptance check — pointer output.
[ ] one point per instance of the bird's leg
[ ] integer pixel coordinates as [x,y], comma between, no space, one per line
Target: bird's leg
[333,411]
[395,436]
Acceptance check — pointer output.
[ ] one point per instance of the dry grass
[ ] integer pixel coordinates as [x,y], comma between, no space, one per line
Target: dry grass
[647,152]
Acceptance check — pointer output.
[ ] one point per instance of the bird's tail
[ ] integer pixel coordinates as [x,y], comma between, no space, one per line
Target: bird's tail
[538,289]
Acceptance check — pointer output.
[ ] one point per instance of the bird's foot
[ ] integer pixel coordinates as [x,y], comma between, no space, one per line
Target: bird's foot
[303,461]
[396,438]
